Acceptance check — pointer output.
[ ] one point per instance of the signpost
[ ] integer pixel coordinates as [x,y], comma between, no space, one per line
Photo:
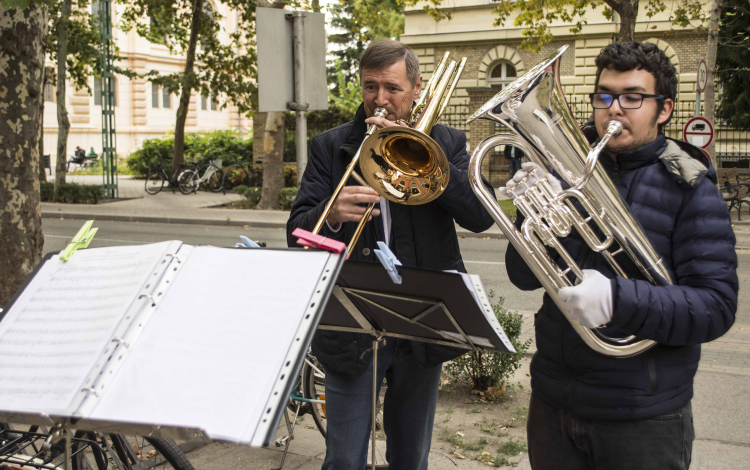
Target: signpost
[702,75]
[292,67]
[699,132]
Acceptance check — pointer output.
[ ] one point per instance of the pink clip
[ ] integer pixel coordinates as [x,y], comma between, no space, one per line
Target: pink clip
[311,240]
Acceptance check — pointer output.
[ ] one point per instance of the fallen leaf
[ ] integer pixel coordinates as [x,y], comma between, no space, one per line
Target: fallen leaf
[458,456]
[459,434]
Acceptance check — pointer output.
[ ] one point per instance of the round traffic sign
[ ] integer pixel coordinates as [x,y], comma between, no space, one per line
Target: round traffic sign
[702,75]
[699,132]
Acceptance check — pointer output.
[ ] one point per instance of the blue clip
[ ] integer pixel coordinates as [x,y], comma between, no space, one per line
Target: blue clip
[246,243]
[389,262]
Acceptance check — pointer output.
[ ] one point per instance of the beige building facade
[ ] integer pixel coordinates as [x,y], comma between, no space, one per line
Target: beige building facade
[142,110]
[494,59]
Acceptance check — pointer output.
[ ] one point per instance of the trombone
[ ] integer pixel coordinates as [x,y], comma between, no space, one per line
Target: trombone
[404,164]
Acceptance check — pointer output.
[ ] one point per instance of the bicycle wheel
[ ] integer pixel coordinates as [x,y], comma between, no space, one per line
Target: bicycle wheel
[314,388]
[154,183]
[215,180]
[187,182]
[136,449]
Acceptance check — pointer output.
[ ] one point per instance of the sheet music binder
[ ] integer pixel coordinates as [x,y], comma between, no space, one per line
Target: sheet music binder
[196,346]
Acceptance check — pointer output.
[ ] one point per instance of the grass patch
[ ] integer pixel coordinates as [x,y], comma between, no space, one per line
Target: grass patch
[480,444]
[511,447]
[476,410]
[451,437]
[507,206]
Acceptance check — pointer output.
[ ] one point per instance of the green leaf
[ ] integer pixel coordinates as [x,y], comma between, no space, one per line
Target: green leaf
[15,4]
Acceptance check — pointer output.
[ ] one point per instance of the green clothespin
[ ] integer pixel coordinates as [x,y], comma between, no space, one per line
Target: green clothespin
[80,241]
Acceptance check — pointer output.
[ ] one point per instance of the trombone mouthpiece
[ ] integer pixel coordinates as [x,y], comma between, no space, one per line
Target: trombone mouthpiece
[380,113]
[614,128]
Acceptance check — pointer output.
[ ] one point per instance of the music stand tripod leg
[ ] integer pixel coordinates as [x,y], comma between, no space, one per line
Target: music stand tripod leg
[375,346]
[290,430]
[57,434]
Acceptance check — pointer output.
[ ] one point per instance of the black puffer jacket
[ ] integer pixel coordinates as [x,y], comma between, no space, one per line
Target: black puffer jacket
[423,236]
[670,187]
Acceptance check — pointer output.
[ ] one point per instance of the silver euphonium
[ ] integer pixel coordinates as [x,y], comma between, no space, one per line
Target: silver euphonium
[534,109]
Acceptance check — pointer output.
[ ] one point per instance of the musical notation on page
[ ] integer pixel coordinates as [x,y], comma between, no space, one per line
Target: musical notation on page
[54,333]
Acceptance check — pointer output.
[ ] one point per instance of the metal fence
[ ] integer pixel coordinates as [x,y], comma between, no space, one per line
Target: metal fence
[732,145]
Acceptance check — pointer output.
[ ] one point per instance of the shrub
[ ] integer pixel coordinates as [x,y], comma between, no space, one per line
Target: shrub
[72,193]
[286,198]
[226,145]
[488,368]
[253,194]
[290,176]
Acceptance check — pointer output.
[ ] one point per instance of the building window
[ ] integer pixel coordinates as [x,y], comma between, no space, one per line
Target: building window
[166,99]
[204,103]
[502,74]
[154,95]
[98,92]
[213,102]
[49,90]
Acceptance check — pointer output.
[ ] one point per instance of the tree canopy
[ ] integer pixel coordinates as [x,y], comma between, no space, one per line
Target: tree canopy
[733,64]
[226,61]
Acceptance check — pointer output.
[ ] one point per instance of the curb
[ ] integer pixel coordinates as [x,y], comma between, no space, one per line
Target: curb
[220,223]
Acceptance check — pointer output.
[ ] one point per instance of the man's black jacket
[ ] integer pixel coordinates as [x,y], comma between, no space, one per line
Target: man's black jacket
[423,236]
[670,188]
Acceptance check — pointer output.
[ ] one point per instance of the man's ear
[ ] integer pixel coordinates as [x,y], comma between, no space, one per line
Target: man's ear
[666,111]
[418,87]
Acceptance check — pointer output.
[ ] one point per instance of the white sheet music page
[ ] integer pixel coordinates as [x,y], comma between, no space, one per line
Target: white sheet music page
[213,349]
[54,333]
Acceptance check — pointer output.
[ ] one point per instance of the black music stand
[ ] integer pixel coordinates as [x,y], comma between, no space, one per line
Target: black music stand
[436,307]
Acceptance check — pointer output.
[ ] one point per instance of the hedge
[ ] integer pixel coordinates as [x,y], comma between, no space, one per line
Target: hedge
[72,193]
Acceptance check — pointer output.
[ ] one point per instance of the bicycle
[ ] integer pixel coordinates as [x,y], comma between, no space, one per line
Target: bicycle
[212,178]
[155,181]
[89,451]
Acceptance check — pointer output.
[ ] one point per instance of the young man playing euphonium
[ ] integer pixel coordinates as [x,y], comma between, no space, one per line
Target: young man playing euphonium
[591,411]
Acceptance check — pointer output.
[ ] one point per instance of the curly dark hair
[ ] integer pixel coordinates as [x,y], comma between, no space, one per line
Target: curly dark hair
[625,56]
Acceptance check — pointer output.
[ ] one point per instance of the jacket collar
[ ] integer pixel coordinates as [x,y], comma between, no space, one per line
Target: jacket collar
[357,132]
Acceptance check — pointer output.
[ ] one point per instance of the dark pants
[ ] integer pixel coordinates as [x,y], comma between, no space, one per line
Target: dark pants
[514,164]
[559,440]
[408,413]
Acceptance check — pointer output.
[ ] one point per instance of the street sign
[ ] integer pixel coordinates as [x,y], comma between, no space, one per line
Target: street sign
[702,75]
[276,70]
[699,132]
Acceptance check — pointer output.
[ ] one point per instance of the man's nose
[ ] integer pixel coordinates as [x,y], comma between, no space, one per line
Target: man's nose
[616,108]
[381,99]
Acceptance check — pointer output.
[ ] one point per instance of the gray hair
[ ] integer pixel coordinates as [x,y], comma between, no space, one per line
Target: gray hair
[383,53]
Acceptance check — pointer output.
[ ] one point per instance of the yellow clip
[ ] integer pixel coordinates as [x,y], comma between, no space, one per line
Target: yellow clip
[80,241]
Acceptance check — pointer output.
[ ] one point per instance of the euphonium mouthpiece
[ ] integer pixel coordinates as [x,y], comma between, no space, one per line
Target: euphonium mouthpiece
[614,128]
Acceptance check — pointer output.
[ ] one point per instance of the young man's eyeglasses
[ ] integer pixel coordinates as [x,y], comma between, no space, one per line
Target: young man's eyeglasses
[626,100]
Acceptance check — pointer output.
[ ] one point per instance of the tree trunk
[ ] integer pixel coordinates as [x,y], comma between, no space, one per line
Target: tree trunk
[22,34]
[712,45]
[628,14]
[178,156]
[63,124]
[273,161]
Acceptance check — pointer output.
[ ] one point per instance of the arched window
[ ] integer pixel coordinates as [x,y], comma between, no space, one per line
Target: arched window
[502,74]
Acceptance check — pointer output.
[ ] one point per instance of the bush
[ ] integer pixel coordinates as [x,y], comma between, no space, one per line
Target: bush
[286,198]
[226,145]
[253,194]
[488,368]
[72,193]
[290,176]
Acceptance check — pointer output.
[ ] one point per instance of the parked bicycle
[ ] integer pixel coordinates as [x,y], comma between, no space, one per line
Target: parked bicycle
[209,176]
[155,181]
[24,448]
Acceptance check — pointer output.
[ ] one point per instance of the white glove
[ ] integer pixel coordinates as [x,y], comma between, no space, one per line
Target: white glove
[590,302]
[533,173]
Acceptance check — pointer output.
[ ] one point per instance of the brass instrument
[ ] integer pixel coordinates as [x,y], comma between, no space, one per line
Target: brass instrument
[534,108]
[404,164]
